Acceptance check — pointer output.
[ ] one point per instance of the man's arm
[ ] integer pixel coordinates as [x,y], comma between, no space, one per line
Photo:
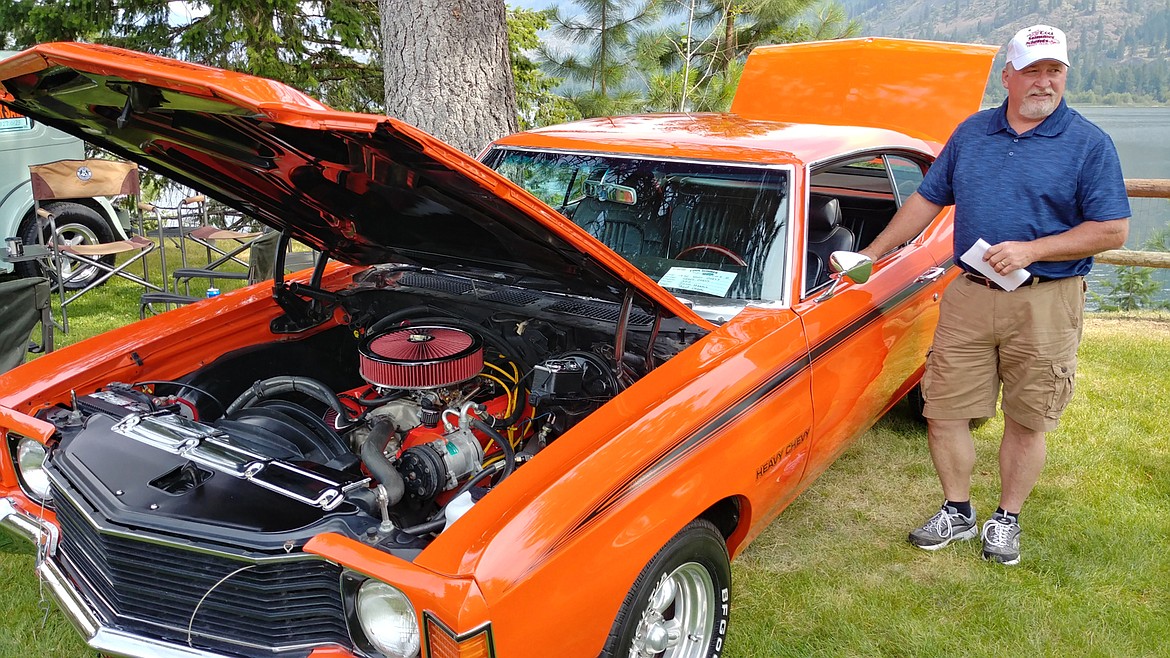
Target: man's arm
[1081,241]
[907,223]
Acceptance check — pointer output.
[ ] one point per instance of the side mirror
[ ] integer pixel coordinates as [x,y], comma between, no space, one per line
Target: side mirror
[851,265]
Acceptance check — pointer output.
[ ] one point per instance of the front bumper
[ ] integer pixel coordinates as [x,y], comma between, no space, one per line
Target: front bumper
[106,640]
[27,531]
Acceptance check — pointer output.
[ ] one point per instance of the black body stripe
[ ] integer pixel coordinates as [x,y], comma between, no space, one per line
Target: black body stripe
[832,341]
[680,450]
[675,452]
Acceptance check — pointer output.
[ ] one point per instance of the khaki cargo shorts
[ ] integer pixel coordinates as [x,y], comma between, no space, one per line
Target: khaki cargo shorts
[1025,340]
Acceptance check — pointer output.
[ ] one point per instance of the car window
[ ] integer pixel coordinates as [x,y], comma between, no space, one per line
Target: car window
[850,202]
[907,175]
[701,230]
[866,175]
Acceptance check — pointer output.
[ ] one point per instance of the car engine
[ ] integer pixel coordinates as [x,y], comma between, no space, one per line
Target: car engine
[384,428]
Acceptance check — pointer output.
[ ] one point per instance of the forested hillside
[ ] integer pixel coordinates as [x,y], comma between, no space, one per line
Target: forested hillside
[1120,49]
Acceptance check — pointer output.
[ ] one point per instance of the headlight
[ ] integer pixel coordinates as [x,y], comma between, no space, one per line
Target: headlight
[388,619]
[30,462]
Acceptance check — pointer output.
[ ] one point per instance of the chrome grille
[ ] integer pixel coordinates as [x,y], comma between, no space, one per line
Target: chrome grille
[272,608]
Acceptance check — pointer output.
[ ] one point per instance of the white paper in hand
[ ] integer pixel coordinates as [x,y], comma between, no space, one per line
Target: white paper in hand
[974,260]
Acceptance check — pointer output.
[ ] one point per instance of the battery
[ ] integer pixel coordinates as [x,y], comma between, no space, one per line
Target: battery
[112,403]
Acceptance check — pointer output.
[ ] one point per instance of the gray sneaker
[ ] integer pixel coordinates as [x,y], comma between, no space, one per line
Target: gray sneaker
[943,528]
[1001,540]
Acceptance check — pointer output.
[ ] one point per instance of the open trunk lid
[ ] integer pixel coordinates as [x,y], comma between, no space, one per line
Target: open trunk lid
[921,88]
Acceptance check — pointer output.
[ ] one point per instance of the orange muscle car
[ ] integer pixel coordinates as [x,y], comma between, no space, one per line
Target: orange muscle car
[527,406]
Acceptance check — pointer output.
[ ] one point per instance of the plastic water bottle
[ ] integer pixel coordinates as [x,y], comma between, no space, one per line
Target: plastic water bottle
[212,292]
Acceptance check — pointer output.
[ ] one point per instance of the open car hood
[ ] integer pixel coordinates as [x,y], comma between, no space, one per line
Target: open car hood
[365,189]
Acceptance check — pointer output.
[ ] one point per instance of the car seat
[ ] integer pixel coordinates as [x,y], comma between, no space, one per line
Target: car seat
[825,235]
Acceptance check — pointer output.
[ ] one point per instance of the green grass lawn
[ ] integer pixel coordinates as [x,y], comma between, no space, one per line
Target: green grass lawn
[116,302]
[834,575]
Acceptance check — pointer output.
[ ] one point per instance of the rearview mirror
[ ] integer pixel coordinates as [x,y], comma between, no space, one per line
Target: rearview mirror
[851,265]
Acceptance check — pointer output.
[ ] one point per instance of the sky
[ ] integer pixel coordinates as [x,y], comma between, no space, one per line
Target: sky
[184,12]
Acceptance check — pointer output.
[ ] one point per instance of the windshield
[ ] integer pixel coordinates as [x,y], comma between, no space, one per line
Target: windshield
[701,230]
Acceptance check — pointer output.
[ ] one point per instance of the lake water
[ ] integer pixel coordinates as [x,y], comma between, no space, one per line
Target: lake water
[1142,136]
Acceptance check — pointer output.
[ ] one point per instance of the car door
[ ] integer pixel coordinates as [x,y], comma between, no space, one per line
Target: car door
[867,343]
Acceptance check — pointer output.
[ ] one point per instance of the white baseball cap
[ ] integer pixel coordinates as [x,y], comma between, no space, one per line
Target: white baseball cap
[1035,43]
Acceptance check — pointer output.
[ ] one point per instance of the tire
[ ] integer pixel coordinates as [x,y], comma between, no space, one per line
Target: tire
[917,403]
[76,224]
[680,604]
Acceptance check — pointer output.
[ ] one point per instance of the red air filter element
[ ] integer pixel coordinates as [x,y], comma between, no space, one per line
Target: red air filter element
[421,357]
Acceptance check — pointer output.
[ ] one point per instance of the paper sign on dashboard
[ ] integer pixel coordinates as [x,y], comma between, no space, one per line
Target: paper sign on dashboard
[694,279]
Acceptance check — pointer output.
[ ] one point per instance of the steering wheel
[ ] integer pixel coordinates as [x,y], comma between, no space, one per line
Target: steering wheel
[719,250]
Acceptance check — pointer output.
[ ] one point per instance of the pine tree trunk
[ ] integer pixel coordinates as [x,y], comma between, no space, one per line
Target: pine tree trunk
[447,69]
[729,44]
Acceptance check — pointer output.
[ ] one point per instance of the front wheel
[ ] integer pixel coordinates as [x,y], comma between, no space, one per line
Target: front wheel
[680,603]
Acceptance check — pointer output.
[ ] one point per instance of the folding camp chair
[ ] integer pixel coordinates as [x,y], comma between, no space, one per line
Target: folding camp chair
[172,226]
[23,303]
[223,241]
[266,253]
[233,243]
[72,179]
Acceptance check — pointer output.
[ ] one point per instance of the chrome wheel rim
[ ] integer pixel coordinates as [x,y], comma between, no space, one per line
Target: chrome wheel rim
[71,235]
[679,617]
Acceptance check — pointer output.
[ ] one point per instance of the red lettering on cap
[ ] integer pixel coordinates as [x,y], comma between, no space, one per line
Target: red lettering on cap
[1041,38]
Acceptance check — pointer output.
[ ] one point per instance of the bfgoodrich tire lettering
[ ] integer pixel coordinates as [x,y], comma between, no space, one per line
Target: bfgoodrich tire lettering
[76,224]
[679,605]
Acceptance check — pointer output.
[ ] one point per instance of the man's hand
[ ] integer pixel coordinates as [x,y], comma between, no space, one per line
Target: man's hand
[1081,241]
[1007,257]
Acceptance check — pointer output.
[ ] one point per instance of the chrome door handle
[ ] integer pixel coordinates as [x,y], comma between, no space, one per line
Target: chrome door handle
[930,275]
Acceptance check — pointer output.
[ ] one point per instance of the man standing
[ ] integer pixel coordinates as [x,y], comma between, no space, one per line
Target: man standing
[1043,186]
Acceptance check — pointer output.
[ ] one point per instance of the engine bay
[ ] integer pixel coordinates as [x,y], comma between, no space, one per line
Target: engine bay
[416,394]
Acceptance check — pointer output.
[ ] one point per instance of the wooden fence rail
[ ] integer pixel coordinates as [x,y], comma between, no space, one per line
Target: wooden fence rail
[1146,188]
[1149,188]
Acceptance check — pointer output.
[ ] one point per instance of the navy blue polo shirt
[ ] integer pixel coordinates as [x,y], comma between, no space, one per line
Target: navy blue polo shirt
[1008,186]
